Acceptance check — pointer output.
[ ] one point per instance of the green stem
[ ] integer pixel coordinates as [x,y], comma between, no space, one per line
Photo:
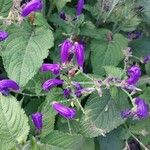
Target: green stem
[69,127]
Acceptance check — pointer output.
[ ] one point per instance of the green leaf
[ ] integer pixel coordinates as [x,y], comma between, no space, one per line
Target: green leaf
[114,71]
[24,51]
[102,114]
[13,122]
[146,10]
[106,53]
[60,4]
[48,112]
[64,141]
[112,141]
[140,47]
[5,6]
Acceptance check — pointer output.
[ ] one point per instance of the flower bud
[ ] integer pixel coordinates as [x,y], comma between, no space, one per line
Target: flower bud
[32,6]
[3,35]
[134,75]
[80,6]
[8,85]
[51,83]
[134,35]
[67,93]
[79,51]
[66,112]
[141,108]
[63,15]
[146,59]
[37,120]
[54,68]
[65,48]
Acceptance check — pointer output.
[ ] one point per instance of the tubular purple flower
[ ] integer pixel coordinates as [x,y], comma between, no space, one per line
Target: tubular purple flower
[141,108]
[146,59]
[3,35]
[8,85]
[66,112]
[37,120]
[134,75]
[80,6]
[65,48]
[79,51]
[54,68]
[51,83]
[32,6]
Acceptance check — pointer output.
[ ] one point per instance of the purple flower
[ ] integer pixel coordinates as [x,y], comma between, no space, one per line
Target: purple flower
[51,83]
[79,51]
[3,35]
[32,6]
[126,113]
[134,35]
[147,59]
[67,93]
[65,48]
[54,68]
[37,120]
[7,85]
[134,73]
[63,15]
[80,6]
[141,109]
[66,112]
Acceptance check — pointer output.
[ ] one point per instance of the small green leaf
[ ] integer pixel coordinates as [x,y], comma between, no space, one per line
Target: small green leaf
[61,4]
[114,71]
[13,122]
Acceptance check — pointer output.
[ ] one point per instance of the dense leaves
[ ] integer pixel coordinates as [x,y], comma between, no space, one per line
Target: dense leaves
[97,108]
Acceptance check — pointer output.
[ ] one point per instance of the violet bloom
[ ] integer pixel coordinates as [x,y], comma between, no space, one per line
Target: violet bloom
[79,51]
[134,35]
[54,68]
[51,83]
[134,73]
[63,15]
[65,49]
[67,93]
[32,6]
[3,35]
[8,85]
[37,120]
[146,59]
[141,108]
[80,6]
[66,112]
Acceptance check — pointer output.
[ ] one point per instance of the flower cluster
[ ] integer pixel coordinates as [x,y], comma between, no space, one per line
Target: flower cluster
[68,48]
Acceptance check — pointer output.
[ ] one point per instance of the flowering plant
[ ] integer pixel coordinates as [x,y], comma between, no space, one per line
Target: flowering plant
[74,75]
